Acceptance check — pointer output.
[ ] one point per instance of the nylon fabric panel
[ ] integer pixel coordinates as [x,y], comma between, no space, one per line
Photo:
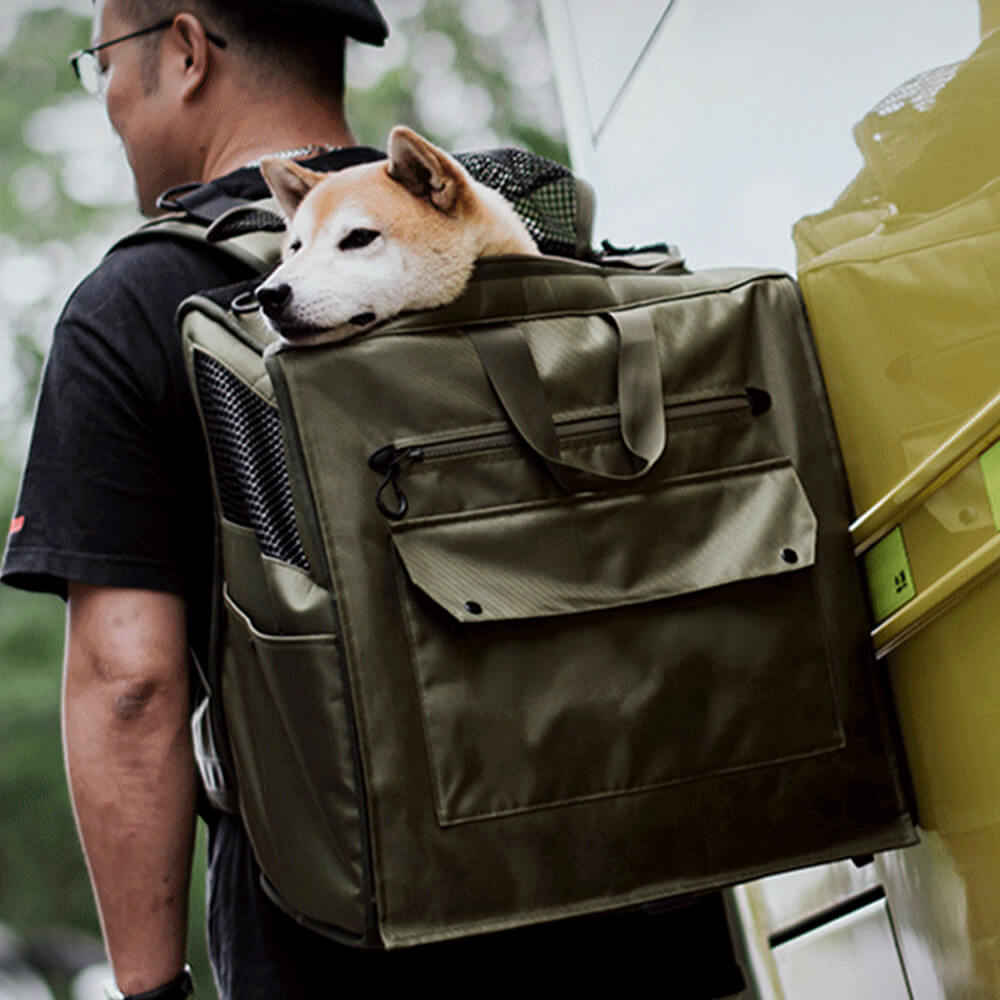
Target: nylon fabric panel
[292,758]
[274,594]
[601,706]
[586,366]
[518,288]
[714,333]
[562,706]
[592,553]
[383,398]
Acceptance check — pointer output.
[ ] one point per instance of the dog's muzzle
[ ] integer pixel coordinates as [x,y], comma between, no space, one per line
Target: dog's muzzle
[274,299]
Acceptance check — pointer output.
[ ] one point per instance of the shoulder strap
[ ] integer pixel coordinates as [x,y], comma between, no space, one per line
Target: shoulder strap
[197,202]
[250,231]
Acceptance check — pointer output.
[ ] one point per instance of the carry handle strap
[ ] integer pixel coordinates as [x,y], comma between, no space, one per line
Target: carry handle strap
[511,369]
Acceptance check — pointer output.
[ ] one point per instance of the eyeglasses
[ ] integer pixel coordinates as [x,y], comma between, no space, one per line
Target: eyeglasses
[88,67]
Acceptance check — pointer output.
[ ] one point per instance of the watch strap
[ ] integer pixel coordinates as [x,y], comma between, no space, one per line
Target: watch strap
[179,988]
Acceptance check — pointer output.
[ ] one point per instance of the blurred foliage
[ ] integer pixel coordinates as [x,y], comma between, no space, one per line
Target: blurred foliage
[30,79]
[43,881]
[492,63]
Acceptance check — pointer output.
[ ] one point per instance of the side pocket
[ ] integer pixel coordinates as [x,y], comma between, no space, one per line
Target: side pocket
[610,644]
[288,727]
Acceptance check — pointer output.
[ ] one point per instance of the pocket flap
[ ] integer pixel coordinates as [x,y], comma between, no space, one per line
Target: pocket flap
[604,551]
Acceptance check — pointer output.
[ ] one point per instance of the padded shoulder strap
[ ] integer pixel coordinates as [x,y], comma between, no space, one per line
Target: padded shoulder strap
[257,245]
[200,203]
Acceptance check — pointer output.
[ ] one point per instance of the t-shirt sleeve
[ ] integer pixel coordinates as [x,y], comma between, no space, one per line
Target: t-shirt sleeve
[100,497]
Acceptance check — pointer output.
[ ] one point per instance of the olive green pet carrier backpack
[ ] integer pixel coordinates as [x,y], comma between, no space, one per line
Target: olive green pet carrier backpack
[538,604]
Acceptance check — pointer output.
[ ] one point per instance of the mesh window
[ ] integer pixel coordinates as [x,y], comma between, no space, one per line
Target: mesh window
[920,92]
[934,139]
[542,192]
[249,459]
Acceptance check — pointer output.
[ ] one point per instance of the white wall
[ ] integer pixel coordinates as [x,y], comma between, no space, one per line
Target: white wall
[715,124]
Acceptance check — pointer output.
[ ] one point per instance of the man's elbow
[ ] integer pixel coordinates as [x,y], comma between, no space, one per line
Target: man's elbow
[135,695]
[126,658]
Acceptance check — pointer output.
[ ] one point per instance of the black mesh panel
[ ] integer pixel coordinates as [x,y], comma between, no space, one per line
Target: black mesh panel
[542,192]
[244,433]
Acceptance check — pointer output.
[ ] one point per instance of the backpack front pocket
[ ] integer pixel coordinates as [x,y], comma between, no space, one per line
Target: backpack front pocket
[609,644]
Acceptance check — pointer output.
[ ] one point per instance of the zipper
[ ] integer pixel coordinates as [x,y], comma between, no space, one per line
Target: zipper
[391,462]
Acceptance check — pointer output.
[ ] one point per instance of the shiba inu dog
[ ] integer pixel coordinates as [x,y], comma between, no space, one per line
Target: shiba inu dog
[375,240]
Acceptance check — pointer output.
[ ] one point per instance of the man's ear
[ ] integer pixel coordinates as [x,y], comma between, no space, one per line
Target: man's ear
[424,170]
[187,34]
[289,182]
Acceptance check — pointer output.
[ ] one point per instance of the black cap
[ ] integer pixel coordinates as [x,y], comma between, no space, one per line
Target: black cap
[359,19]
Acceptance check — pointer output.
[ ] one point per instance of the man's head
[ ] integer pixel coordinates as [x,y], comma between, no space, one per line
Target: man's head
[195,92]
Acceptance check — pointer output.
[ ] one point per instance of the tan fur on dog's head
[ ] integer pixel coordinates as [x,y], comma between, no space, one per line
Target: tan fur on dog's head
[375,240]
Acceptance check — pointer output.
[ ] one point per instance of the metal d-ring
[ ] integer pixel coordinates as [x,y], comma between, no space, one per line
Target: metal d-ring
[169,200]
[245,302]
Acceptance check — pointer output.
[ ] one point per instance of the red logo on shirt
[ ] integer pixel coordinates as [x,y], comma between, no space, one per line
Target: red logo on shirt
[16,524]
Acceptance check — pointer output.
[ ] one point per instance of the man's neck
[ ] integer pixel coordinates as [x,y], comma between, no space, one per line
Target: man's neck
[269,130]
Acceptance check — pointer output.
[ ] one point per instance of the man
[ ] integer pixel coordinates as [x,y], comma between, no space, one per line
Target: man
[115,514]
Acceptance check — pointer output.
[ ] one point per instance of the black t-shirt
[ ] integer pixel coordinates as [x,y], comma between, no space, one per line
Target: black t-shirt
[116,492]
[116,488]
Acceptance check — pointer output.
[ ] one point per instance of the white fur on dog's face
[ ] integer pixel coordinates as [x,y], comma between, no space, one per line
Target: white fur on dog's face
[375,240]
[345,272]
[349,267]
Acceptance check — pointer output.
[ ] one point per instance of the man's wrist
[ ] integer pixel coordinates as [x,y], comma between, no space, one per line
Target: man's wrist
[179,988]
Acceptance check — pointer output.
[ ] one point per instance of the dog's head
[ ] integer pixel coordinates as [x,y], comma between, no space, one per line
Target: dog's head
[372,241]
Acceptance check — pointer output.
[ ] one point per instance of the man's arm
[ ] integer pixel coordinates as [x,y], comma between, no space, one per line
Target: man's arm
[131,771]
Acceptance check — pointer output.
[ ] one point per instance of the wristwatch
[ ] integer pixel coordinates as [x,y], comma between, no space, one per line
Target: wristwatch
[179,988]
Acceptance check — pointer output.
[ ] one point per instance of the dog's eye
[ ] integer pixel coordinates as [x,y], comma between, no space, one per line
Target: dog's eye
[358,238]
[295,246]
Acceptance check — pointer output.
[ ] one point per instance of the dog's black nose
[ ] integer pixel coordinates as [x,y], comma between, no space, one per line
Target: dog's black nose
[274,298]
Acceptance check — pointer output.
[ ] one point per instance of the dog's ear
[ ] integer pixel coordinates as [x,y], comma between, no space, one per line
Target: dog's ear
[289,182]
[425,170]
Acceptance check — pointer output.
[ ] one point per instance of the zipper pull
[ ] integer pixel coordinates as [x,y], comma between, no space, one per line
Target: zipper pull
[759,400]
[389,462]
